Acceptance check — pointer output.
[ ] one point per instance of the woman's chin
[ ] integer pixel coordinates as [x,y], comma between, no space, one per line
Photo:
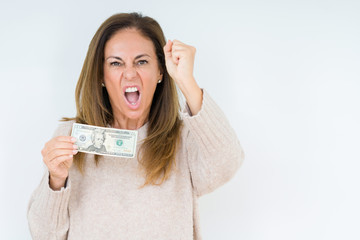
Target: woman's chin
[135,115]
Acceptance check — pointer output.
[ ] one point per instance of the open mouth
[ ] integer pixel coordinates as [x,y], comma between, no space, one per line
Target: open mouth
[132,96]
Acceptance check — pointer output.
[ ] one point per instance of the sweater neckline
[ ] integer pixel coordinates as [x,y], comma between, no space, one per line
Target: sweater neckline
[142,131]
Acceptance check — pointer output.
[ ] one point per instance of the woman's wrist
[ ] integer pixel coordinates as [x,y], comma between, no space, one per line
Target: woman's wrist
[56,183]
[193,95]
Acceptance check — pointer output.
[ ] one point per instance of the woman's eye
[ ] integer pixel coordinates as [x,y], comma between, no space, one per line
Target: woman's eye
[142,62]
[115,64]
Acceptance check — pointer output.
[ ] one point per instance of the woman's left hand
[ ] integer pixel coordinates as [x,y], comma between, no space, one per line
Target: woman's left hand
[179,59]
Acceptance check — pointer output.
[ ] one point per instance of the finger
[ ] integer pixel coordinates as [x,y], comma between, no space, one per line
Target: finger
[58,145]
[175,56]
[59,139]
[186,49]
[65,139]
[181,53]
[68,162]
[63,145]
[177,42]
[178,51]
[59,152]
[177,45]
[167,49]
[58,161]
[61,159]
[65,165]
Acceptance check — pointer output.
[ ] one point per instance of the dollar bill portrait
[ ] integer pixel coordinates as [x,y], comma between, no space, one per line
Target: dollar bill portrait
[129,81]
[98,139]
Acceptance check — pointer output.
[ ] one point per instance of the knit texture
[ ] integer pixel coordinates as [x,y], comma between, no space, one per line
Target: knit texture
[107,203]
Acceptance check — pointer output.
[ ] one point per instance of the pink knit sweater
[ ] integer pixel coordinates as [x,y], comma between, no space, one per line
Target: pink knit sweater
[106,202]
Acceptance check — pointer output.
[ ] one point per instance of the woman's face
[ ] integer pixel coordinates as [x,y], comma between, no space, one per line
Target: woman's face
[131,73]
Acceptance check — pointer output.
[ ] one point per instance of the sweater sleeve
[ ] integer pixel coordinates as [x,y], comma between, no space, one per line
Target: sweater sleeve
[47,214]
[213,150]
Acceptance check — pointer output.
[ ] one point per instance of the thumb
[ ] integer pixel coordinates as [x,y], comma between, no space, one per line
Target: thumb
[167,49]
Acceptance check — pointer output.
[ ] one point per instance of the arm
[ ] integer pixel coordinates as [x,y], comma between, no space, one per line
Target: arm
[47,213]
[214,152]
[213,149]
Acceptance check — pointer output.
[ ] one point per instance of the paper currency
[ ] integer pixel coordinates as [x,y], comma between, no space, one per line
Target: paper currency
[105,141]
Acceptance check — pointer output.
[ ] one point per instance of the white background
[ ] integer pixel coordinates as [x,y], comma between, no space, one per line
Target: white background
[286,74]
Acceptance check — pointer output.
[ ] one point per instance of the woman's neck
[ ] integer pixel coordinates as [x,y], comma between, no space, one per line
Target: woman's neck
[122,122]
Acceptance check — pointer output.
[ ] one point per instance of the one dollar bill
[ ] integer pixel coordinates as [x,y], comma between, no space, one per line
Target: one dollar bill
[105,141]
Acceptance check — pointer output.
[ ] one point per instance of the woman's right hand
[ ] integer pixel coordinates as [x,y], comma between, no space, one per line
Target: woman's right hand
[58,157]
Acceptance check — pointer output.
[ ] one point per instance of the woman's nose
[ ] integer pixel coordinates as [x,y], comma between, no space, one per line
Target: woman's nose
[130,72]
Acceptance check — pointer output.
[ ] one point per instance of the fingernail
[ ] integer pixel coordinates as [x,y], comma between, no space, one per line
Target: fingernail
[70,156]
[75,151]
[75,146]
[73,139]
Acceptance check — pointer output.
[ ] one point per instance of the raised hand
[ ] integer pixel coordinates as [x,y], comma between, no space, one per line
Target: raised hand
[58,157]
[179,59]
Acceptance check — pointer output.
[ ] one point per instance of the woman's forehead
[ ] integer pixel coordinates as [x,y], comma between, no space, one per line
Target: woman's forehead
[129,43]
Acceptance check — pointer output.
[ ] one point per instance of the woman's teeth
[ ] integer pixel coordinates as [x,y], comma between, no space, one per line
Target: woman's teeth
[132,95]
[131,89]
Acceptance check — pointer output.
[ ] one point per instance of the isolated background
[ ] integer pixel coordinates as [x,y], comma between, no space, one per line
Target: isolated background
[286,74]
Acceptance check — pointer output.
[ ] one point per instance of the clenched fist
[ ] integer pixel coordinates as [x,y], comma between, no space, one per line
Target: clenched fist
[179,59]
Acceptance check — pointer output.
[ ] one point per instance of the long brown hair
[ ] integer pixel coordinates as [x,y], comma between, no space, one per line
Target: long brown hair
[158,150]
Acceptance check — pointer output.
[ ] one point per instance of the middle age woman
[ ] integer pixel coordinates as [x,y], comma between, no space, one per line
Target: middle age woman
[128,81]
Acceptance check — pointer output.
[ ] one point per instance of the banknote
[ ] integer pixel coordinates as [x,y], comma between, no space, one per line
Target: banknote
[105,141]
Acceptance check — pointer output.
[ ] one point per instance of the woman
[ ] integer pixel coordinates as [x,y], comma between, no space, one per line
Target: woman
[128,82]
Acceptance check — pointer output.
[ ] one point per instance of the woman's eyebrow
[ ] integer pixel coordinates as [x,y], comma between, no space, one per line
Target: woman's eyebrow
[142,55]
[118,58]
[137,57]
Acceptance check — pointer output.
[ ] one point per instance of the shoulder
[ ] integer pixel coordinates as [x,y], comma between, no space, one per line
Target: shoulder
[64,128]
